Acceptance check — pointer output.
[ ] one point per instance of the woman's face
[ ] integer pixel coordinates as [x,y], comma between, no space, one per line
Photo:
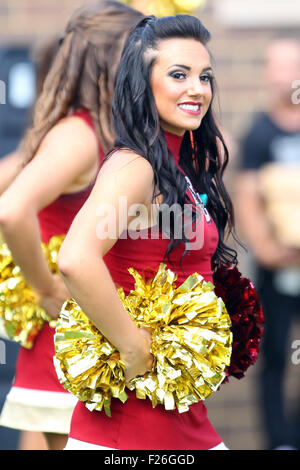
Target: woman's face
[181,84]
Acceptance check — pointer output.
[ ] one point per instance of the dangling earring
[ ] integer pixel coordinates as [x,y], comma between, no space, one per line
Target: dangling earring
[192,139]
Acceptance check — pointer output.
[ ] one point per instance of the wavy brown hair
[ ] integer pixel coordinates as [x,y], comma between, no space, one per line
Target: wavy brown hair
[83,72]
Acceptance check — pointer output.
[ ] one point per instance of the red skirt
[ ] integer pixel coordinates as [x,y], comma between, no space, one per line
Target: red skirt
[135,425]
[37,401]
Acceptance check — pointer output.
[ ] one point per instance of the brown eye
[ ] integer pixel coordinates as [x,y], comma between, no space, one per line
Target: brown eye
[178,75]
[207,78]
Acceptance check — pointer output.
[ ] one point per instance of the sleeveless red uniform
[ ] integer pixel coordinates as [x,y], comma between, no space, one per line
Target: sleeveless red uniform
[136,425]
[26,407]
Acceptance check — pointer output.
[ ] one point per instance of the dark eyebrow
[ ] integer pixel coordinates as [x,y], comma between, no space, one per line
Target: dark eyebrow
[180,65]
[207,69]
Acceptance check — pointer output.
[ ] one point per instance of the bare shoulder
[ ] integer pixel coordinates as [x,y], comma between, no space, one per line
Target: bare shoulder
[74,132]
[127,162]
[125,173]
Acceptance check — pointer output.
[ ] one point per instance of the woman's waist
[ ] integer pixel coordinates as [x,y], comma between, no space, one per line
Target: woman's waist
[133,408]
[123,278]
[56,220]
[49,230]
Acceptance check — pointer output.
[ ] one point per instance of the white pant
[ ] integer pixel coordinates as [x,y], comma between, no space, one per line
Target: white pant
[74,444]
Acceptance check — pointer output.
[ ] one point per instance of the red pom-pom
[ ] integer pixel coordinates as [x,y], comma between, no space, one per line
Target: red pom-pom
[246,313]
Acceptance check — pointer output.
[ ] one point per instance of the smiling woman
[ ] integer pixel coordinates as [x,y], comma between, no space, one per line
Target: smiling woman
[168,149]
[181,88]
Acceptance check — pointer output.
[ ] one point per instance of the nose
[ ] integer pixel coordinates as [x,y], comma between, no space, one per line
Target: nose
[196,88]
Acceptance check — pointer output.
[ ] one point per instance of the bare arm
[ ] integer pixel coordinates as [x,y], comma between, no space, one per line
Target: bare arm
[256,227]
[59,162]
[81,256]
[10,166]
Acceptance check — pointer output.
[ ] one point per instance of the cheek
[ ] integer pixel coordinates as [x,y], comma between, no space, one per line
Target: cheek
[209,94]
[157,91]
[208,98]
[165,93]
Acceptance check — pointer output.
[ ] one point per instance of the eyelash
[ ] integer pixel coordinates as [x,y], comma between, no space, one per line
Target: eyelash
[208,77]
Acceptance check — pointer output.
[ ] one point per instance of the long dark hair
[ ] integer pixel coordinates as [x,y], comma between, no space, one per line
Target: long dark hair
[137,126]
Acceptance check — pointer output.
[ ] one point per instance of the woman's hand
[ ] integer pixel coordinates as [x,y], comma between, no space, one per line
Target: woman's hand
[53,300]
[140,360]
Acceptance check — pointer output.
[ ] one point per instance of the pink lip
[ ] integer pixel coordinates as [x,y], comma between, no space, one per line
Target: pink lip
[190,111]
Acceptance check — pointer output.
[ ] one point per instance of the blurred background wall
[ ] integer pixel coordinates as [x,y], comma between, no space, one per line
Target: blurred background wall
[241,31]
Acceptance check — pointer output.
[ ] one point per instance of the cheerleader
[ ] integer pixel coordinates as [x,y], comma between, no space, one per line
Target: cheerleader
[168,150]
[10,165]
[62,152]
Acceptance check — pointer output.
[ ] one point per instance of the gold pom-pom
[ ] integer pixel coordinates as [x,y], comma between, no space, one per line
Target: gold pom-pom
[20,312]
[86,363]
[166,7]
[191,345]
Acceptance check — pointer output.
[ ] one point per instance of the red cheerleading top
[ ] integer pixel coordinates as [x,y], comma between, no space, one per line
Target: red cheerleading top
[57,217]
[135,425]
[34,368]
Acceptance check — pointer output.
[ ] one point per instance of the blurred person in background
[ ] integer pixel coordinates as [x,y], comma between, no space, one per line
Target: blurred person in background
[268,210]
[42,55]
[61,156]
